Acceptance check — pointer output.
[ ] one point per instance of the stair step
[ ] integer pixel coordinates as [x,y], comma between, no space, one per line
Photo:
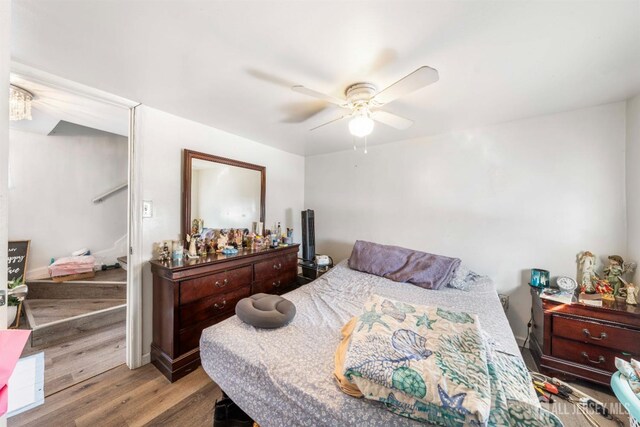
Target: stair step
[109,284]
[54,320]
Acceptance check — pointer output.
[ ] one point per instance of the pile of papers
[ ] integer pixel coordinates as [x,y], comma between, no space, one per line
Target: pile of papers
[558,296]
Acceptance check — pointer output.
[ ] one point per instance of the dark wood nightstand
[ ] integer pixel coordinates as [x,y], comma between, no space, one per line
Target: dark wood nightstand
[582,341]
[309,271]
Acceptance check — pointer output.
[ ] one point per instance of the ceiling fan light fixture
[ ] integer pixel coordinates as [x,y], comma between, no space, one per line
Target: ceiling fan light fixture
[361,124]
[19,103]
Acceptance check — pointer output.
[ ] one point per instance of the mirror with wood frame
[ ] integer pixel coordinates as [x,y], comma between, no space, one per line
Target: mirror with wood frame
[223,193]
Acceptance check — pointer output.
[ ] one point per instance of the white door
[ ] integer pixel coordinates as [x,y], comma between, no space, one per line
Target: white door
[5,27]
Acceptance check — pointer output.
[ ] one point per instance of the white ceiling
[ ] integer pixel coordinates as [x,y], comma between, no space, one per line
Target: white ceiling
[229,64]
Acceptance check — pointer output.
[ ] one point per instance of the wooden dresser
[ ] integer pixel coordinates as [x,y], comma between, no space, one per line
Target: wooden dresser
[581,341]
[191,295]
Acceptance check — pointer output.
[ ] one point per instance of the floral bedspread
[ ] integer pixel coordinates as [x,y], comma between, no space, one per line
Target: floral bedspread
[436,365]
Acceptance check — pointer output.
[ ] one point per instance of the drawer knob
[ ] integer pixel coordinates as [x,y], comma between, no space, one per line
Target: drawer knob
[220,306]
[223,284]
[601,358]
[277,266]
[603,335]
[276,284]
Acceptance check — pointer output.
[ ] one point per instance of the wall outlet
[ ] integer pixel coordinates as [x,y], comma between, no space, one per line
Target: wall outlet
[147,209]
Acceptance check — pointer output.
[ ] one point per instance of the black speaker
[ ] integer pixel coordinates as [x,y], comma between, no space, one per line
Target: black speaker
[308,236]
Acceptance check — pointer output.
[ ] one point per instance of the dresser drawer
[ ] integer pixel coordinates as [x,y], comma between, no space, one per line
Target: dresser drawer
[275,285]
[189,338]
[211,307]
[622,339]
[203,287]
[274,267]
[586,354]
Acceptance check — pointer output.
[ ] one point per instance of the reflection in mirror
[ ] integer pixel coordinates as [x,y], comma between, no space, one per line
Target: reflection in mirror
[225,196]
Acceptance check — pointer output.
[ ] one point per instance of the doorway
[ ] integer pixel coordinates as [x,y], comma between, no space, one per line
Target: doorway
[70,195]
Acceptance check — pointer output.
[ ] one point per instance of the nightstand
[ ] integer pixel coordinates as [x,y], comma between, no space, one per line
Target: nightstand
[310,271]
[582,341]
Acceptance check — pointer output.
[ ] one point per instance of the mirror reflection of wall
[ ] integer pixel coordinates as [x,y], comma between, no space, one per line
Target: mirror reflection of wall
[224,196]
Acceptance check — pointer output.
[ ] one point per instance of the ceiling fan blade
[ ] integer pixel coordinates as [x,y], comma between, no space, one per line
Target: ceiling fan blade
[391,119]
[319,95]
[328,123]
[420,78]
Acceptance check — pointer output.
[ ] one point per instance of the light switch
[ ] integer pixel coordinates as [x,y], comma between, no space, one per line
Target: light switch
[147,209]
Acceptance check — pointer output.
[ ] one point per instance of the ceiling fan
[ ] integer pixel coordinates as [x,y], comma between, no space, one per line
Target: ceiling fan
[364,101]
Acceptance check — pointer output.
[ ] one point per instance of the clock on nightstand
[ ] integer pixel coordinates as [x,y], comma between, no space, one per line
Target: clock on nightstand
[583,341]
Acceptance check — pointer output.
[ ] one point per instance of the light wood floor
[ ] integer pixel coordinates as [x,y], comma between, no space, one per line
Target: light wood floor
[143,397]
[75,360]
[122,397]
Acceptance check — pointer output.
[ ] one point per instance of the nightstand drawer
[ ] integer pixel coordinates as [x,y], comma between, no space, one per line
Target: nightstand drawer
[622,339]
[586,354]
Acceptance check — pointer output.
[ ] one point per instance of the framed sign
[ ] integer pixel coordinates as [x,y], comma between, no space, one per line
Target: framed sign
[17,259]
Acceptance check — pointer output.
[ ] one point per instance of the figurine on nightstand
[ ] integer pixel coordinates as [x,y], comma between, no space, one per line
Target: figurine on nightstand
[614,271]
[632,294]
[586,264]
[605,289]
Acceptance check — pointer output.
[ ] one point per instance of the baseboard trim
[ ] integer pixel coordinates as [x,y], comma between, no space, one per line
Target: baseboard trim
[146,358]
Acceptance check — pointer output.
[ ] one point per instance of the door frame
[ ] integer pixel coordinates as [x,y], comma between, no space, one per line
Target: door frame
[134,204]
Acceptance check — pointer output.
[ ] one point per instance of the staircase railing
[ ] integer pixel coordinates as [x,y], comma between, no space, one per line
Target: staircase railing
[110,193]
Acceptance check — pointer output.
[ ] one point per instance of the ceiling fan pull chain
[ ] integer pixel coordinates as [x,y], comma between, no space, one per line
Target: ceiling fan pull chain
[354,143]
[365,145]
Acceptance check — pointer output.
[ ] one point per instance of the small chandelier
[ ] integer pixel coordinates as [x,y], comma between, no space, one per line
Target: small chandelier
[19,103]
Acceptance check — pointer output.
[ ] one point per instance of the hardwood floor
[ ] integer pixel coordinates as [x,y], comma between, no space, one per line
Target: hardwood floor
[122,397]
[75,360]
[144,397]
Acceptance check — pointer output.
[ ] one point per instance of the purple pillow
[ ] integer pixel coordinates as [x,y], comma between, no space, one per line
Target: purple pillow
[422,269]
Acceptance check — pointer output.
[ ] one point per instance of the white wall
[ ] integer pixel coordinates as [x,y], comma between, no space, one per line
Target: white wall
[633,178]
[5,30]
[52,181]
[161,137]
[530,193]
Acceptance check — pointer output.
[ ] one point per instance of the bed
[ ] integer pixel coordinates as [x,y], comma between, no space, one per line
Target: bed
[285,376]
